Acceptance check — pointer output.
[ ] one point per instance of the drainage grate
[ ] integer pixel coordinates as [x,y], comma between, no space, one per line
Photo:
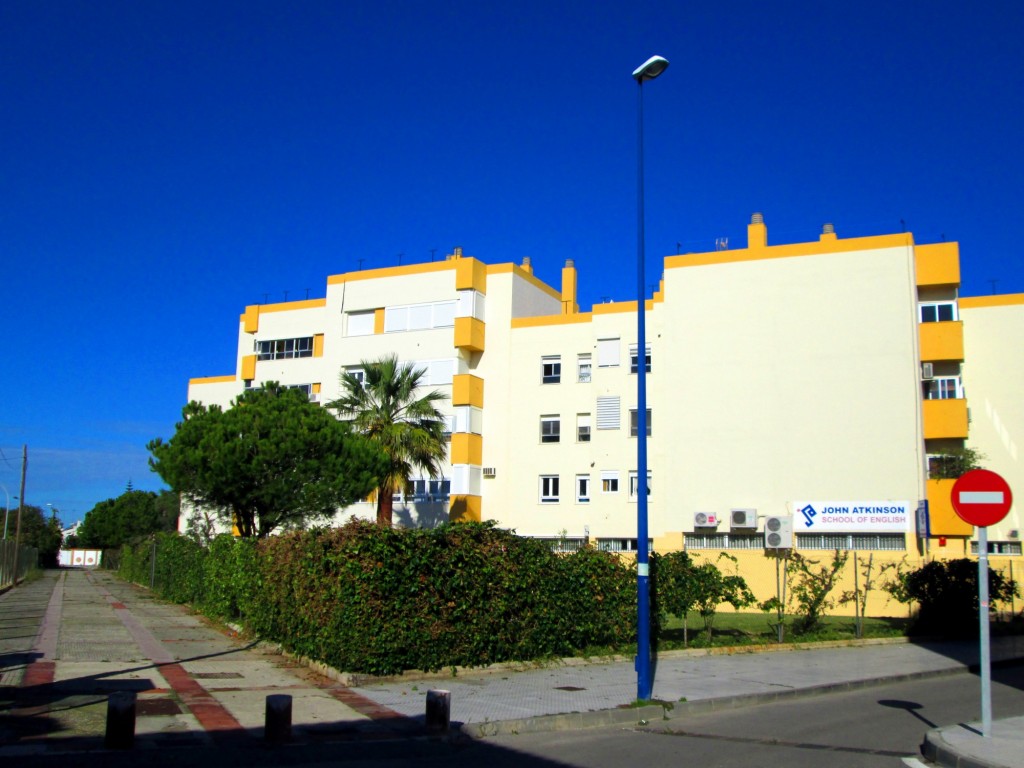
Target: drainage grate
[572,688]
[150,707]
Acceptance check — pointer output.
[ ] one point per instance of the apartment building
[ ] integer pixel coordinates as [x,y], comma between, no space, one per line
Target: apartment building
[805,385]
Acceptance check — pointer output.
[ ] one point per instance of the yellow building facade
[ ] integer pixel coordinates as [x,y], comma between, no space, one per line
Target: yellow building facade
[806,387]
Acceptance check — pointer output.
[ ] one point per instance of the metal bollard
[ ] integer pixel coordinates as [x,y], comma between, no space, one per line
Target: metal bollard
[277,725]
[120,720]
[439,710]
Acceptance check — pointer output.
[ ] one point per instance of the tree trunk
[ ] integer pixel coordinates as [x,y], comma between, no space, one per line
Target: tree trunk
[385,503]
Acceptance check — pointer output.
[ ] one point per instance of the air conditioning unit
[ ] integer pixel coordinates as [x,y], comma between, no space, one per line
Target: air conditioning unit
[314,397]
[490,472]
[927,371]
[743,518]
[778,532]
[705,520]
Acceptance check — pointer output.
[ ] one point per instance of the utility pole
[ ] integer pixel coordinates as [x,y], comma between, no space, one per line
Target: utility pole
[21,504]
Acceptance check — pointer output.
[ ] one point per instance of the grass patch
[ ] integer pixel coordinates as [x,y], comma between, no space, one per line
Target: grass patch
[754,629]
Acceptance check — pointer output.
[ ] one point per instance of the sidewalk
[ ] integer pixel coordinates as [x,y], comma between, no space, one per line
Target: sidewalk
[70,639]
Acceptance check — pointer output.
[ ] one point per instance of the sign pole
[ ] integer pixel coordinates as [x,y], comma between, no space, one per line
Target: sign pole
[986,661]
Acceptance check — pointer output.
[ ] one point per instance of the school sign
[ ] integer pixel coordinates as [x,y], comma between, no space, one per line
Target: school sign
[852,516]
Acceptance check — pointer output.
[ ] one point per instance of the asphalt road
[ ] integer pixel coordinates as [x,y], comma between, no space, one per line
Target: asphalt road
[869,728]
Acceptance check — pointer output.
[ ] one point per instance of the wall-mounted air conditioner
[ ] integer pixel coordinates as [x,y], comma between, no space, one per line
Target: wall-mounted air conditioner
[927,371]
[490,472]
[743,518]
[778,532]
[705,520]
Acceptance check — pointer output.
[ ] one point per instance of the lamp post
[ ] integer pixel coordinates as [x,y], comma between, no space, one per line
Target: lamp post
[649,70]
[7,513]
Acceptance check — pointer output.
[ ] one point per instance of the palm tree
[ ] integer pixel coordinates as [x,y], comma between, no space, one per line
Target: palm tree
[386,407]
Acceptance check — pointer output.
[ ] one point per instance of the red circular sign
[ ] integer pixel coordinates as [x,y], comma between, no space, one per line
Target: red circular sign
[981,498]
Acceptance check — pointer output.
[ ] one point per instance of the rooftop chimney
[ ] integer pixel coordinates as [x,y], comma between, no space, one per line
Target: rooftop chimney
[757,232]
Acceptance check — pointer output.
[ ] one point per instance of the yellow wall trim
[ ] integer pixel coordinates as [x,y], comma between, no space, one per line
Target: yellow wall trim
[376,274]
[467,448]
[1000,300]
[213,380]
[467,389]
[378,320]
[943,519]
[249,367]
[470,275]
[318,345]
[945,419]
[937,264]
[465,509]
[515,269]
[786,251]
[251,318]
[541,320]
[469,334]
[289,306]
[942,341]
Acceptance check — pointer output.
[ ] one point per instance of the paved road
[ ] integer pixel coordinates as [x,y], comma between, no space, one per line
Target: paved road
[70,639]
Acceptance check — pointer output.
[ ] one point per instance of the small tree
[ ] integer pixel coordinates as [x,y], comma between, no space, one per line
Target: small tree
[712,588]
[811,588]
[270,461]
[859,595]
[953,463]
[43,533]
[674,586]
[113,522]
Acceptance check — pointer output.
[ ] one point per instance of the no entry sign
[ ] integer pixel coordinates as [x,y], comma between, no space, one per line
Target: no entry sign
[981,497]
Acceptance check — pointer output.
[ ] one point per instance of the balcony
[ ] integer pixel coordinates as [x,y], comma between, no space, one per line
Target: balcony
[941,341]
[937,264]
[942,519]
[945,419]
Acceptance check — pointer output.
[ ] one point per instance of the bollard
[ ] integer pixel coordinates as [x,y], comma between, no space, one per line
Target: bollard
[120,720]
[439,710]
[277,726]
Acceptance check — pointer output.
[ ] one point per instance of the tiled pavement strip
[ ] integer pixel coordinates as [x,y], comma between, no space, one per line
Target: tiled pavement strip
[71,638]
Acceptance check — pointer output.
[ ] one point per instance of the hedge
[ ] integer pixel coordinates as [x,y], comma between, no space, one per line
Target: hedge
[362,598]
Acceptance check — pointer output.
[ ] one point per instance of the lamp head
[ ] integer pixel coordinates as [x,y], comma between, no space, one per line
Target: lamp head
[650,69]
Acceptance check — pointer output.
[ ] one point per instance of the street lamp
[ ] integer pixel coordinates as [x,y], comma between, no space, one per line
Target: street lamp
[649,70]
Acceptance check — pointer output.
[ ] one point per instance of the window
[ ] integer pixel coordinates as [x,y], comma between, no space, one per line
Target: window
[942,388]
[430,490]
[361,323]
[633,489]
[607,353]
[549,489]
[938,311]
[551,369]
[725,541]
[634,426]
[583,368]
[563,544]
[621,545]
[844,541]
[633,363]
[358,374]
[999,548]
[582,489]
[583,427]
[550,429]
[609,482]
[419,317]
[283,349]
[608,413]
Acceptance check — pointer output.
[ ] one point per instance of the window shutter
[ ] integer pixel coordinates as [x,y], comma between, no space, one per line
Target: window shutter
[608,413]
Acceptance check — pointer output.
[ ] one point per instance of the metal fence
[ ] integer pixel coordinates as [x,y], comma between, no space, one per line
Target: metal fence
[27,559]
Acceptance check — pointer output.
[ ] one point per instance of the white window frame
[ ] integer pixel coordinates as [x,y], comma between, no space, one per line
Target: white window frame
[551,429]
[551,369]
[362,323]
[549,490]
[634,422]
[929,307]
[633,486]
[609,481]
[584,369]
[943,388]
[582,489]
[584,430]
[634,361]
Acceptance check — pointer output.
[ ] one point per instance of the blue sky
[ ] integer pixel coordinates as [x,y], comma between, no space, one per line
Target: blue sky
[165,164]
